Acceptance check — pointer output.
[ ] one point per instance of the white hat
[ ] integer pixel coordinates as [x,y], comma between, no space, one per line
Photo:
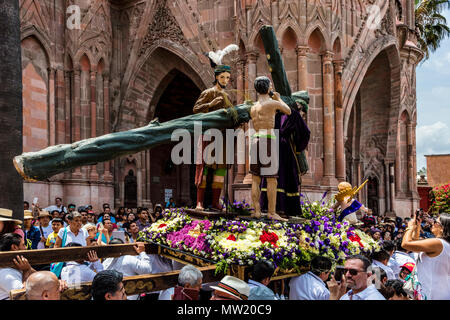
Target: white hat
[6,215]
[233,286]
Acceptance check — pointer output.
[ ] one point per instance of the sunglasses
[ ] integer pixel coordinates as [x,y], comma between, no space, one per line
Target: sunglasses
[352,272]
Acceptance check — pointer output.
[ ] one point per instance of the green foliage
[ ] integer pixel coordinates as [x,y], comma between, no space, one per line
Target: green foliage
[431,26]
[221,267]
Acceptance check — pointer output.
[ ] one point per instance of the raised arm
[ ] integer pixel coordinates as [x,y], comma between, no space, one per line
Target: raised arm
[432,247]
[284,108]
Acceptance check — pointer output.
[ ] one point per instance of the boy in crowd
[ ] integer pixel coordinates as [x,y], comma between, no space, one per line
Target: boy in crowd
[57,224]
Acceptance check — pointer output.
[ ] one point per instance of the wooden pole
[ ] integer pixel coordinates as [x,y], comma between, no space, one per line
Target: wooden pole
[133,285]
[46,256]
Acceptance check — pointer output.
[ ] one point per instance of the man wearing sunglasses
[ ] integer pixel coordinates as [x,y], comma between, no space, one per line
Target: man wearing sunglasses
[356,277]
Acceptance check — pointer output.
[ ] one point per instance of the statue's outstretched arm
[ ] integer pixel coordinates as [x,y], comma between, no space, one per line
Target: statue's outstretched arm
[50,161]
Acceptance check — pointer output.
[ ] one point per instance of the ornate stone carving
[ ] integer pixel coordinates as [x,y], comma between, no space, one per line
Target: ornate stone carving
[164,26]
[387,25]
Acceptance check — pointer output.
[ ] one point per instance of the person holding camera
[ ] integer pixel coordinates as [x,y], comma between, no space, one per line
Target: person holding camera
[356,275]
[433,262]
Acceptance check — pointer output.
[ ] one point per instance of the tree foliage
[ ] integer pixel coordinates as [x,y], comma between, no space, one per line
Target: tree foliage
[431,25]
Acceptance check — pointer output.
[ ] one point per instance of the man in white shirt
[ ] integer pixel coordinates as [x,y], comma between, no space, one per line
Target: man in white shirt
[311,285]
[380,259]
[13,278]
[58,206]
[358,278]
[130,265]
[77,272]
[45,227]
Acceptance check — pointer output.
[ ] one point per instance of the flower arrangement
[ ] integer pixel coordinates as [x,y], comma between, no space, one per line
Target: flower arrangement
[440,198]
[191,238]
[288,246]
[311,209]
[240,207]
[172,220]
[253,241]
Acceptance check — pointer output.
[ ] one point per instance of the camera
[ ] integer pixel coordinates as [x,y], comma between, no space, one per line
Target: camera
[338,273]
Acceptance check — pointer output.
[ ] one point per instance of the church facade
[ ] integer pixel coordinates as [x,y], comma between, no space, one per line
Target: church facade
[92,67]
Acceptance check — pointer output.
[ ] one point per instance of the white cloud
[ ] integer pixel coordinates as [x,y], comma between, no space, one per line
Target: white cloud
[432,139]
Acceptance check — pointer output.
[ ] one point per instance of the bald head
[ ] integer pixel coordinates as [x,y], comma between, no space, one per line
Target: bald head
[42,285]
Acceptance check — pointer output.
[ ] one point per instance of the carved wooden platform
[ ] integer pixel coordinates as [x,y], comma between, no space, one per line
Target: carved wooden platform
[133,285]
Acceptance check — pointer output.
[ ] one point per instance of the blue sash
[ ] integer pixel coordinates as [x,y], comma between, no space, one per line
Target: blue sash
[353,208]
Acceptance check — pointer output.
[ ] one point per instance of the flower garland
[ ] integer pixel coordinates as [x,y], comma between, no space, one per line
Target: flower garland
[172,220]
[288,246]
[191,238]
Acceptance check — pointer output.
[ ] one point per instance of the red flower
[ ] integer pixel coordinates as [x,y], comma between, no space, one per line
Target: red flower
[162,225]
[272,238]
[356,238]
[231,237]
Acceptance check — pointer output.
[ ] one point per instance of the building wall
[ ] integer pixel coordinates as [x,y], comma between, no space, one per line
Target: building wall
[438,169]
[110,75]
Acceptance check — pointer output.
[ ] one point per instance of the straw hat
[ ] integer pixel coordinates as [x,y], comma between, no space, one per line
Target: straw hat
[6,215]
[27,214]
[233,286]
[44,213]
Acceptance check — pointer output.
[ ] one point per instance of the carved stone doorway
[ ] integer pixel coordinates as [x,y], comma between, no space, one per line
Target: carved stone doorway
[176,101]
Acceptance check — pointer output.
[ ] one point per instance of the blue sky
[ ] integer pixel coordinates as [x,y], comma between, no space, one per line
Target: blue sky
[433,103]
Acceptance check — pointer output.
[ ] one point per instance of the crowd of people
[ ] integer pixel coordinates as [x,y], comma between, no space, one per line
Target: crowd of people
[413,263]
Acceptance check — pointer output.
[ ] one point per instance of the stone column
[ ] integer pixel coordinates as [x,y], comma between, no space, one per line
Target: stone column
[252,57]
[60,107]
[76,116]
[240,99]
[392,184]
[340,153]
[143,184]
[51,106]
[148,173]
[302,70]
[387,187]
[106,126]
[398,164]
[411,173]
[93,169]
[68,84]
[11,114]
[329,176]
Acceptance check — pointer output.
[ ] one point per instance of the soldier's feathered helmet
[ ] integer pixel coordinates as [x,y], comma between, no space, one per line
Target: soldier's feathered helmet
[215,59]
